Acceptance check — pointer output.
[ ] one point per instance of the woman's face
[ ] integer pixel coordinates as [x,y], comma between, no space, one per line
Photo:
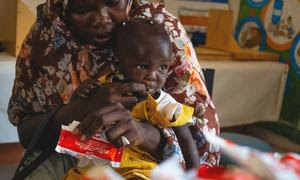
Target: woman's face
[93,21]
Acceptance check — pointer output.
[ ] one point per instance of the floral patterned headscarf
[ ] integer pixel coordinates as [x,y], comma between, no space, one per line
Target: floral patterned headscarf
[52,47]
[56,10]
[53,4]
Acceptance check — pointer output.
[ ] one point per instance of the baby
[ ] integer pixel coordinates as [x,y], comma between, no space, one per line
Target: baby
[144,53]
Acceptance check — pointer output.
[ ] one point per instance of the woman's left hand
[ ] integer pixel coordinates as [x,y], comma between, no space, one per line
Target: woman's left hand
[118,122]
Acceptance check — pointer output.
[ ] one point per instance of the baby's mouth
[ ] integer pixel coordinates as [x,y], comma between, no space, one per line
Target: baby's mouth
[150,89]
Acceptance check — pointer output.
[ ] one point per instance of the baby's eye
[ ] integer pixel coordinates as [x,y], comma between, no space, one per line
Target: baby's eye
[163,67]
[141,67]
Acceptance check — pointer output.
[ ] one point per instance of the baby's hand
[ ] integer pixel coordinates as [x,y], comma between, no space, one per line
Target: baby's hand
[85,88]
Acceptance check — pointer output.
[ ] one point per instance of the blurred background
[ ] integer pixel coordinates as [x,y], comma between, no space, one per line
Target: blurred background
[253,46]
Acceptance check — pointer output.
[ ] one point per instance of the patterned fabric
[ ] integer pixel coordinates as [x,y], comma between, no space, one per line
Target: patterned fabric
[51,64]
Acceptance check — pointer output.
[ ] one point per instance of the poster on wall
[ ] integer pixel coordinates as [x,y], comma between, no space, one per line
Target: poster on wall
[257,3]
[193,14]
[281,21]
[174,6]
[250,33]
[295,54]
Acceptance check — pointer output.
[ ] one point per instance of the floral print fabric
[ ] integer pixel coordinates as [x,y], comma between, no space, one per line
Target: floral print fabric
[51,65]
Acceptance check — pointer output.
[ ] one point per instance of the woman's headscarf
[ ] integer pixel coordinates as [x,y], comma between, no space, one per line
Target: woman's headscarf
[53,4]
[55,10]
[51,63]
[54,61]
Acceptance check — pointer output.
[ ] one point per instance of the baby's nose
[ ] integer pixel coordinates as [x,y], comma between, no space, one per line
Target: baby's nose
[152,76]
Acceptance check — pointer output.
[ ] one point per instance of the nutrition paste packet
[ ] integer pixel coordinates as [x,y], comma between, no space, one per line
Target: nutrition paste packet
[97,147]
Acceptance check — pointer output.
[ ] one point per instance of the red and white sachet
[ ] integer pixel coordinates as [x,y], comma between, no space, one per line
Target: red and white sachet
[97,147]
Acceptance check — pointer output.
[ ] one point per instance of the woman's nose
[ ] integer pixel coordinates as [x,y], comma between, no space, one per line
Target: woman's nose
[101,18]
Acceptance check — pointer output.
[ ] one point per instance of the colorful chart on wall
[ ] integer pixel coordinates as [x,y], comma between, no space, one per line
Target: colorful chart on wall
[295,54]
[281,21]
[257,3]
[251,34]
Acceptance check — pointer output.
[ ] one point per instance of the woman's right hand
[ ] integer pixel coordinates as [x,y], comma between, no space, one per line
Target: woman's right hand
[78,108]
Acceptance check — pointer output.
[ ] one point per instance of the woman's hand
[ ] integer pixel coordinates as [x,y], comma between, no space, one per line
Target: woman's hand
[86,88]
[107,109]
[79,108]
[117,121]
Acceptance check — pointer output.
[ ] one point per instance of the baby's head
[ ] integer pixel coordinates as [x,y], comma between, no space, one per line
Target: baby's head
[144,52]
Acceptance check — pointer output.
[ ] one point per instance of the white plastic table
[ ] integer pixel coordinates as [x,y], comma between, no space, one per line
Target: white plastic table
[246,92]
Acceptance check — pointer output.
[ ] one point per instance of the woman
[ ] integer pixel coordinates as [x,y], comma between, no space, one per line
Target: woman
[68,44]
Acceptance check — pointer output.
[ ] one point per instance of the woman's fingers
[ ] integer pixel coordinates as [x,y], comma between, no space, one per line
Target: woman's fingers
[105,117]
[117,96]
[113,134]
[122,129]
[133,88]
[108,109]
[128,101]
[130,129]
[126,88]
[132,138]
[117,130]
[116,93]
[86,127]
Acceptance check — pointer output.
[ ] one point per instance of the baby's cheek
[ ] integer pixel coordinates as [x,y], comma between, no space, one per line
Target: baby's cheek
[163,78]
[135,76]
[161,82]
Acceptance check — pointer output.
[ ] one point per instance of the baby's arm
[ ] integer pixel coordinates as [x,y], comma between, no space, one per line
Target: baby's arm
[85,88]
[188,146]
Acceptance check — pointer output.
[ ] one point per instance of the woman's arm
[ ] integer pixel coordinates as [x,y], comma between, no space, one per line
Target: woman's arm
[27,128]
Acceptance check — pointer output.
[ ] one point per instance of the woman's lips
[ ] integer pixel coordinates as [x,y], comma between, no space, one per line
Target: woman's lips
[102,36]
[102,39]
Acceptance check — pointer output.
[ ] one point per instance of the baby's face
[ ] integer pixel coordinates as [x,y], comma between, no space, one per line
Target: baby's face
[149,67]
